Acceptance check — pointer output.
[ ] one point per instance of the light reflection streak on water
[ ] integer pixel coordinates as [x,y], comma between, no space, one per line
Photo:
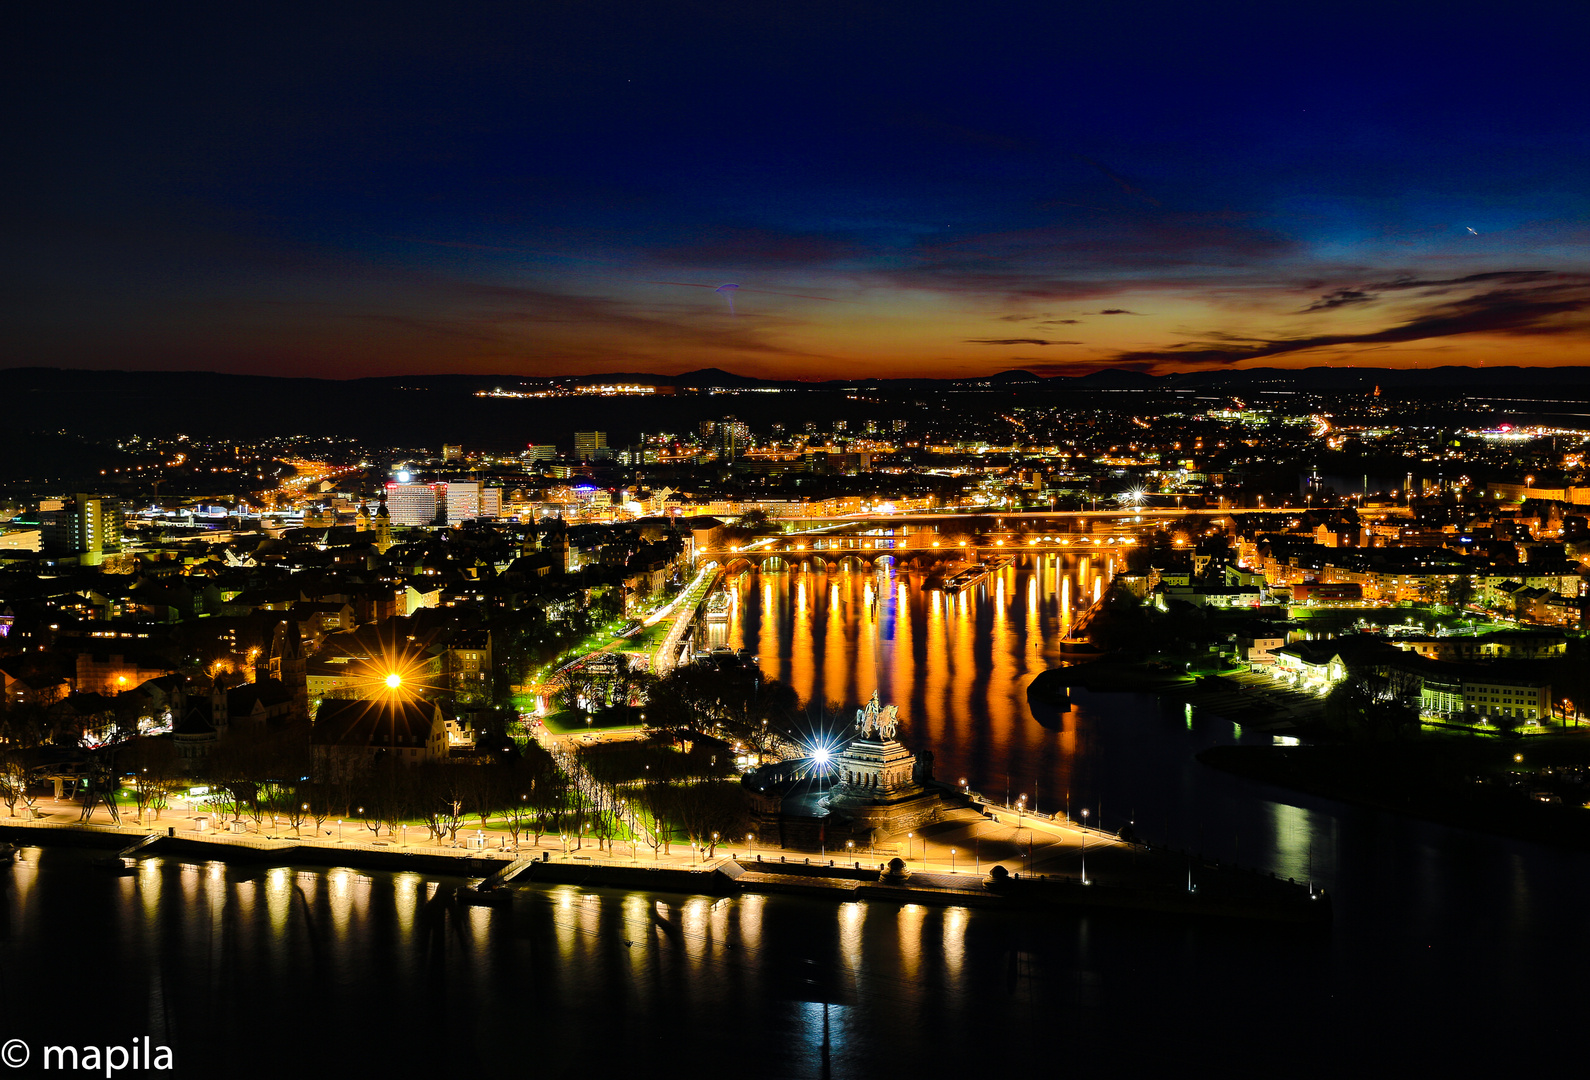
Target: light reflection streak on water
[954,943]
[246,892]
[190,876]
[1292,830]
[750,919]
[406,886]
[957,664]
[635,918]
[150,885]
[851,917]
[563,921]
[910,940]
[25,873]
[692,920]
[588,921]
[278,896]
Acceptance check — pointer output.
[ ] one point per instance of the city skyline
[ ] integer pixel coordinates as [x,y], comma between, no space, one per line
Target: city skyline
[557,193]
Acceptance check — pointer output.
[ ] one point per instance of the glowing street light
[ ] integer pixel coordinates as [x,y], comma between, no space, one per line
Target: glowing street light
[393,680]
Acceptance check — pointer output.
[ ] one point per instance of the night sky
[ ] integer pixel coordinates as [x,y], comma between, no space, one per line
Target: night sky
[561,187]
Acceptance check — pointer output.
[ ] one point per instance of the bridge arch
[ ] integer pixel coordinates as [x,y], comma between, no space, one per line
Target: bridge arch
[775,564]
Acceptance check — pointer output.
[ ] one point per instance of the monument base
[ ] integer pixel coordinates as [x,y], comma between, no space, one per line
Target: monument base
[885,818]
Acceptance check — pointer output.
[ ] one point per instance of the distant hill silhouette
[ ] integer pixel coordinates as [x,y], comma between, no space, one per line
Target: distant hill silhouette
[415,412]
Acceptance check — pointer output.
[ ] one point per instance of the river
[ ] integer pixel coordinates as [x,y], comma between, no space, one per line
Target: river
[1451,950]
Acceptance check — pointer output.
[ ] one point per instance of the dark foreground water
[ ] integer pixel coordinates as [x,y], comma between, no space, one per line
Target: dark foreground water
[1451,951]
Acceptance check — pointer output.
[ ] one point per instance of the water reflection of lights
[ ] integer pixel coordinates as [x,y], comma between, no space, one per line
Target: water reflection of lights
[406,892]
[954,941]
[750,919]
[910,934]
[278,896]
[851,917]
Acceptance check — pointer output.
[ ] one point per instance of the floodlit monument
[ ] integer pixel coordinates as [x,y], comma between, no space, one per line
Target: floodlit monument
[874,789]
[879,784]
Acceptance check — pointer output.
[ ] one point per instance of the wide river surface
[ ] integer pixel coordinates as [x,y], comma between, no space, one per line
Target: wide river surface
[1451,950]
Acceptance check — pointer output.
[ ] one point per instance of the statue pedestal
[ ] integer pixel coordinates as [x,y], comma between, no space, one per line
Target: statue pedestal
[873,769]
[877,788]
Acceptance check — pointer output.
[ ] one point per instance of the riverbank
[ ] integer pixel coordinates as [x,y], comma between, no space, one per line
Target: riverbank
[1468,784]
[1254,701]
[1219,892]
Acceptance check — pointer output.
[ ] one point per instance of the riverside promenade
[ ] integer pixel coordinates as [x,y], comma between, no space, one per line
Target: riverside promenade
[982,856]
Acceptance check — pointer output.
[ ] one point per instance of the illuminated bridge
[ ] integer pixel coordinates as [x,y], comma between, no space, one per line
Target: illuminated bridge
[863,541]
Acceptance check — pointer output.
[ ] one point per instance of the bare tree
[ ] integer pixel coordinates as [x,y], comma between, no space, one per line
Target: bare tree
[13,779]
[154,766]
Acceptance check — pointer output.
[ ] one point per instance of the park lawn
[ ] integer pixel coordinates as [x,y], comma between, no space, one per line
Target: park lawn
[574,721]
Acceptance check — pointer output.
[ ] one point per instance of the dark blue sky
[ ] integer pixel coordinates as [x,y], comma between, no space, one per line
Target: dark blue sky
[927,189]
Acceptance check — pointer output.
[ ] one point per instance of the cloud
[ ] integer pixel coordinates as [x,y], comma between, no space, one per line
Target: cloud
[1018,341]
[1087,263]
[1117,311]
[1365,294]
[1340,298]
[1042,320]
[1537,311]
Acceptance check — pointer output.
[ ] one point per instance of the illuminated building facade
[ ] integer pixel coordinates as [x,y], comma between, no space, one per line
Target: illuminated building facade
[410,505]
[88,526]
[589,445]
[463,500]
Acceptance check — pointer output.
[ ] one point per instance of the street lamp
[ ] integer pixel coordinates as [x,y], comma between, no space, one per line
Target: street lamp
[909,843]
[952,860]
[1084,846]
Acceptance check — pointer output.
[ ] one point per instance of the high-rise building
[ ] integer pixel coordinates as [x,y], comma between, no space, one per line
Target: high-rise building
[534,453]
[86,525]
[462,499]
[413,504]
[733,436]
[590,444]
[491,502]
[452,452]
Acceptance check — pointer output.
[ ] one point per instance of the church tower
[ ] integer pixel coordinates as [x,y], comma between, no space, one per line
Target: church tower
[557,542]
[289,665]
[361,520]
[383,526]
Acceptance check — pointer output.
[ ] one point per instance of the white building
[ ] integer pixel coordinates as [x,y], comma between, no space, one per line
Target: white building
[463,500]
[413,504]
